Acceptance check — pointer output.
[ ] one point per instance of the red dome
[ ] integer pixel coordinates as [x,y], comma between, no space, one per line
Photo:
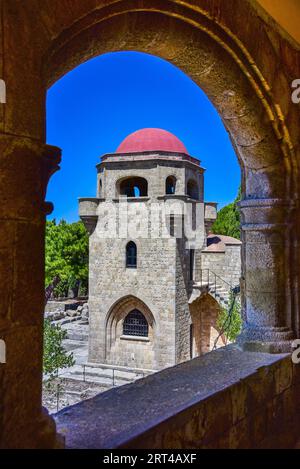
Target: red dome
[151,140]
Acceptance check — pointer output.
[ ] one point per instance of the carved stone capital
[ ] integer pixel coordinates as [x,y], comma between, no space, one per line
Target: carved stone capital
[265,212]
[26,166]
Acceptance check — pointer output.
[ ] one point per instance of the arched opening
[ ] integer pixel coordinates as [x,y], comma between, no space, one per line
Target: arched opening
[260,134]
[192,189]
[241,80]
[131,255]
[170,179]
[135,324]
[133,187]
[205,330]
[130,334]
[170,185]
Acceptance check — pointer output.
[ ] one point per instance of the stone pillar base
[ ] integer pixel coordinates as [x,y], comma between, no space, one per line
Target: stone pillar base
[266,339]
[47,437]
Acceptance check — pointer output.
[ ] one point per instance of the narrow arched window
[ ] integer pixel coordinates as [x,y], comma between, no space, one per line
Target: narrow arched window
[192,189]
[136,324]
[131,255]
[170,185]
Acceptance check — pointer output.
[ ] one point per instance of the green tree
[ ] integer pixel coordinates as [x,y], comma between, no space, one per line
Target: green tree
[229,321]
[55,356]
[66,255]
[228,220]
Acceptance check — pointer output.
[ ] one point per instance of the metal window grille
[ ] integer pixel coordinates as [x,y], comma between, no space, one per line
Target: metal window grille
[136,324]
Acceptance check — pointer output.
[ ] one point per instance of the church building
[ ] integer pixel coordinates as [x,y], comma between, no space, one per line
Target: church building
[157,275]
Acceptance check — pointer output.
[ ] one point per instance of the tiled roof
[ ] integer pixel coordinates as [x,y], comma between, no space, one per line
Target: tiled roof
[217,243]
[151,140]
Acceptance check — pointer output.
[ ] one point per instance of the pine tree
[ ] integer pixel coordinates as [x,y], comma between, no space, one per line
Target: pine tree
[55,356]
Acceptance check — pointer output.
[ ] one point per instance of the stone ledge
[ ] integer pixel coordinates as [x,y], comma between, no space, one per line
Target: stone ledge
[187,406]
[143,198]
[136,338]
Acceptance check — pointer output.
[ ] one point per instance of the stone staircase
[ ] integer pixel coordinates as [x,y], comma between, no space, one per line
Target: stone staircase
[104,375]
[206,281]
[220,294]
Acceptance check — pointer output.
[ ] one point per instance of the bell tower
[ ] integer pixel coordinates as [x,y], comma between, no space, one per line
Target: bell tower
[147,228]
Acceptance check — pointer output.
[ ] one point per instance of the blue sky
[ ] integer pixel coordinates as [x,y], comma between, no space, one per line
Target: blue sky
[94,107]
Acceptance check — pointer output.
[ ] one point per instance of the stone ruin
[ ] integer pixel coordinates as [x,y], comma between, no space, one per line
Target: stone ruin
[66,311]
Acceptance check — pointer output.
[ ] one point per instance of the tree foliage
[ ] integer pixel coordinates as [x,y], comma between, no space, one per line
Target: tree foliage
[228,220]
[55,356]
[230,320]
[66,255]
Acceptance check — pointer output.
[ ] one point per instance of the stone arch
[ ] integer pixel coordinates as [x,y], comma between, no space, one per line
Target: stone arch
[204,328]
[250,88]
[183,42]
[192,189]
[220,64]
[114,321]
[170,185]
[128,185]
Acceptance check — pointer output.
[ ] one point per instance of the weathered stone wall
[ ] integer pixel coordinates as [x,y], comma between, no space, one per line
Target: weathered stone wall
[226,265]
[153,282]
[183,318]
[260,411]
[155,171]
[137,352]
[224,399]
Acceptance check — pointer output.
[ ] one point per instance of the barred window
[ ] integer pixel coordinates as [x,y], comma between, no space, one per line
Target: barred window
[131,255]
[136,324]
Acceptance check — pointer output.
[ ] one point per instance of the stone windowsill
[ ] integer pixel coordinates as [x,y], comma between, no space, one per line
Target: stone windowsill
[183,197]
[131,199]
[135,338]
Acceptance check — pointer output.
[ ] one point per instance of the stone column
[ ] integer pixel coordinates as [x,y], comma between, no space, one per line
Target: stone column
[265,283]
[25,168]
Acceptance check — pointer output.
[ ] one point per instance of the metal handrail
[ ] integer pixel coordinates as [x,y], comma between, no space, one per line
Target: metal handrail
[136,371]
[215,277]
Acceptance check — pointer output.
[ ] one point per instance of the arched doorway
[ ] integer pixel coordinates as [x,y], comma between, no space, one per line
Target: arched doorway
[205,331]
